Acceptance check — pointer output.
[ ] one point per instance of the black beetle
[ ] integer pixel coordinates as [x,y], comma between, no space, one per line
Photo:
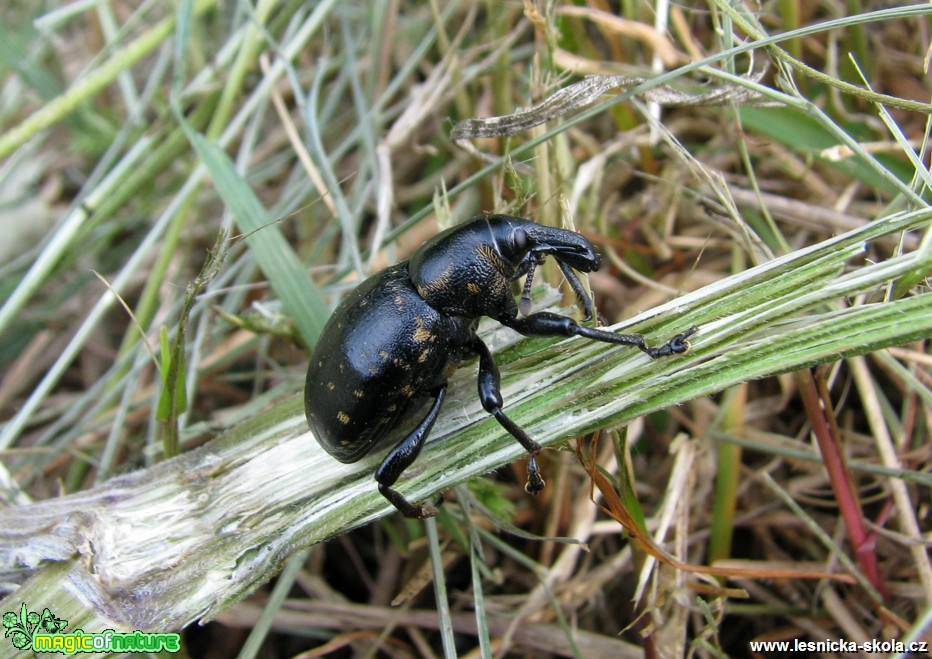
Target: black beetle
[391,345]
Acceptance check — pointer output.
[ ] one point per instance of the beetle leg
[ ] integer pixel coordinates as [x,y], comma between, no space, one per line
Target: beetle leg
[524,306]
[490,395]
[401,457]
[578,289]
[551,324]
[527,267]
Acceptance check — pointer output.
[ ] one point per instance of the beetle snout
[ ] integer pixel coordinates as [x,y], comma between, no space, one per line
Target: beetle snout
[579,257]
[568,247]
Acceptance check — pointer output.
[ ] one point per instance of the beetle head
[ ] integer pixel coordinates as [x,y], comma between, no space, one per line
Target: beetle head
[518,240]
[468,270]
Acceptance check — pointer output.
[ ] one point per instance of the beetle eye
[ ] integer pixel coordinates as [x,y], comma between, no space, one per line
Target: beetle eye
[519,241]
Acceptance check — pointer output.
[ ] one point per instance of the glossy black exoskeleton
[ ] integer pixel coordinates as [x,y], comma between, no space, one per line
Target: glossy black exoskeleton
[391,345]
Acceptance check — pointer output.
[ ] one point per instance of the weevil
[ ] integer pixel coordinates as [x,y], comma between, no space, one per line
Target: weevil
[388,350]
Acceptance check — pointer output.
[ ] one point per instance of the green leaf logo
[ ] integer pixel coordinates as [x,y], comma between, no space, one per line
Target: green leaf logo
[22,628]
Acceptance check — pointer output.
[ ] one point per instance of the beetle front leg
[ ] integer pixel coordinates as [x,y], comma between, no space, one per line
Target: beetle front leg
[578,289]
[401,457]
[550,324]
[490,395]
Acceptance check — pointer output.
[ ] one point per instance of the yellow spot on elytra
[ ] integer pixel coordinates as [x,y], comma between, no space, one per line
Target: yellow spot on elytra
[423,357]
[407,390]
[439,284]
[489,255]
[343,418]
[359,393]
[383,354]
[331,386]
[472,288]
[420,334]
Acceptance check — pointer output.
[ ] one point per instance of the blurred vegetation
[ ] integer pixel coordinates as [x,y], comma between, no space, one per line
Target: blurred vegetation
[155,291]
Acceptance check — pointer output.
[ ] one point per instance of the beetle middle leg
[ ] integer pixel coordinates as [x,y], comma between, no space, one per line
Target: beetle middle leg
[490,395]
[401,457]
[545,323]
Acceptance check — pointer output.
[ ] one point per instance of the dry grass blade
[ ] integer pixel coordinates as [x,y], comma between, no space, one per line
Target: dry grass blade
[614,508]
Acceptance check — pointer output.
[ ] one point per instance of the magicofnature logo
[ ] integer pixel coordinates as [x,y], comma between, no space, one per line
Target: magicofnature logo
[46,633]
[22,629]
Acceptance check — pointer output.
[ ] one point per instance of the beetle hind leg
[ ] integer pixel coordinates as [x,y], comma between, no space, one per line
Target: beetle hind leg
[413,510]
[401,457]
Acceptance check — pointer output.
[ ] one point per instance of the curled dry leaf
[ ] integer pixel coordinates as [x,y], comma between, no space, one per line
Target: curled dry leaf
[580,94]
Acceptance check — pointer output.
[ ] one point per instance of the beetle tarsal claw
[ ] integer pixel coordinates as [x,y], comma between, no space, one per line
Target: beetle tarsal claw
[535,482]
[680,343]
[425,510]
